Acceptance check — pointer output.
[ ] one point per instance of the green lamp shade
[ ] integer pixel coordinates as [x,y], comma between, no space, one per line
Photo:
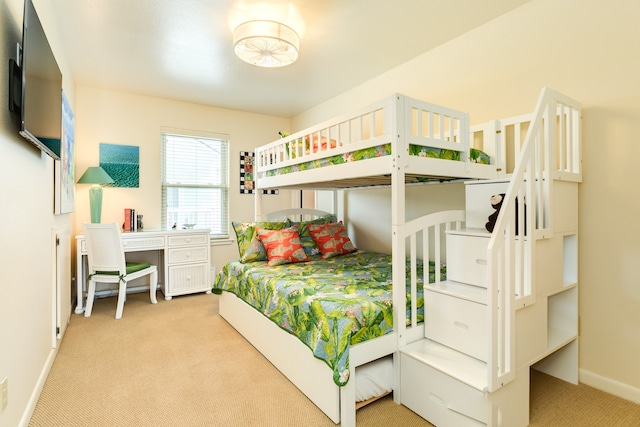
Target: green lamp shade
[97,176]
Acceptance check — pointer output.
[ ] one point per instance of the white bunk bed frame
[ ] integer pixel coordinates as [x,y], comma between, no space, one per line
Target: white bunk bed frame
[550,149]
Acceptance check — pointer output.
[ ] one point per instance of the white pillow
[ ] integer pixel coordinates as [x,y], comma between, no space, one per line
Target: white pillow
[374,378]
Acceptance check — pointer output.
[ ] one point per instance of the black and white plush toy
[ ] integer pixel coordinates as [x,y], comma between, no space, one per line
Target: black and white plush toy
[496,203]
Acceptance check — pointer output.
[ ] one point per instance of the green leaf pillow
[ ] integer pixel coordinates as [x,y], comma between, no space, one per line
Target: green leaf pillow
[249,244]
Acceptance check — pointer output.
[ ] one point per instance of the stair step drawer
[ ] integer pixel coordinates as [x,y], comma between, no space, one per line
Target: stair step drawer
[467,259]
[439,398]
[456,323]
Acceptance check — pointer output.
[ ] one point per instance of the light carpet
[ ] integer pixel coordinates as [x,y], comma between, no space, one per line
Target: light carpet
[178,363]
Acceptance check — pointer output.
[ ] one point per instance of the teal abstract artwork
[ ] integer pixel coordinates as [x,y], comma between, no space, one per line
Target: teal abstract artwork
[122,163]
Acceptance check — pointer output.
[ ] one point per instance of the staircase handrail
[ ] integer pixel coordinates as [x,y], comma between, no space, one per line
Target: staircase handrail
[551,150]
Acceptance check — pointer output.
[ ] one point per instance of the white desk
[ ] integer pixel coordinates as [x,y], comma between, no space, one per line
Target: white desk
[184,255]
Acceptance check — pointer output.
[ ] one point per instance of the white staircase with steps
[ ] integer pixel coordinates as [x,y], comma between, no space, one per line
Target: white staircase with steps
[510,299]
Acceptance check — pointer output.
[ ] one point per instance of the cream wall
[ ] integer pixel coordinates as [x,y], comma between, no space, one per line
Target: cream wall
[587,50]
[27,290]
[373,231]
[105,116]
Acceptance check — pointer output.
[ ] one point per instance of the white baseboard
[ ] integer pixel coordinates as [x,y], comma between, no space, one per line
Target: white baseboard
[610,386]
[35,395]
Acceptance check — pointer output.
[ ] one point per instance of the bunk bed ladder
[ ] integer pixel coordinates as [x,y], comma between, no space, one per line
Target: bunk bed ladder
[464,369]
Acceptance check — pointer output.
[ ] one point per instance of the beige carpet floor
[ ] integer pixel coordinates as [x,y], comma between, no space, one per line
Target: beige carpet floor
[178,363]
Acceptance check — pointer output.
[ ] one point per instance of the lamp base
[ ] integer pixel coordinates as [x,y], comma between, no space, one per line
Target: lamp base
[95,203]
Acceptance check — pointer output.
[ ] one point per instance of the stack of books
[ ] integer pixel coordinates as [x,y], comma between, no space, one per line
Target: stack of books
[130,223]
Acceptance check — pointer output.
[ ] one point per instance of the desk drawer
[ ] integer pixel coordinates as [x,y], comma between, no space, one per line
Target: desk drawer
[189,239]
[142,243]
[133,244]
[188,254]
[188,278]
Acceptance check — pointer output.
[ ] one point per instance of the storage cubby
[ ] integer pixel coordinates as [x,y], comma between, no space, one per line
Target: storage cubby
[570,259]
[560,359]
[562,318]
[478,200]
[562,336]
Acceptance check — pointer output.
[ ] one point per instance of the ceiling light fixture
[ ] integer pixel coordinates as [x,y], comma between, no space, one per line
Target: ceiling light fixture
[266,43]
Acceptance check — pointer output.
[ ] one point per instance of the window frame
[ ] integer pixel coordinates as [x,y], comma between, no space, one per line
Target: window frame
[223,176]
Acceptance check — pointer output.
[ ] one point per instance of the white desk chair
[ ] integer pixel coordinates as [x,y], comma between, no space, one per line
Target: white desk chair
[105,254]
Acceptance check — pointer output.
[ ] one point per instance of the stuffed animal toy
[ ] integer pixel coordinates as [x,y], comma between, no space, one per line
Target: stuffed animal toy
[496,203]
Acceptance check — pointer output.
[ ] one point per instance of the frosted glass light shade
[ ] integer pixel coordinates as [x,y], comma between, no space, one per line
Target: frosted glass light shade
[266,43]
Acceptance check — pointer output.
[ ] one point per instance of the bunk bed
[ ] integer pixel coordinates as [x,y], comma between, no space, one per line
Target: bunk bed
[394,142]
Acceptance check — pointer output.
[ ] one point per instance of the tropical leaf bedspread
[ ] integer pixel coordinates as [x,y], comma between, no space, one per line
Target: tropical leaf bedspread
[328,304]
[475,156]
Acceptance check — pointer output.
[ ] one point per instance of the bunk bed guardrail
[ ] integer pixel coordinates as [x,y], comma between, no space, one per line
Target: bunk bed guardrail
[348,135]
[360,129]
[423,239]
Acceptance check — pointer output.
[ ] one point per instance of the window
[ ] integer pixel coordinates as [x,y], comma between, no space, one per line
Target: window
[195,182]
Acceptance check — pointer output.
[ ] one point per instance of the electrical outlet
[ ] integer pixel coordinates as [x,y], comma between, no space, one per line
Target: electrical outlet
[4,394]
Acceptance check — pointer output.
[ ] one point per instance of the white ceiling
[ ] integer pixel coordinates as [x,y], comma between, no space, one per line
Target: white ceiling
[182,49]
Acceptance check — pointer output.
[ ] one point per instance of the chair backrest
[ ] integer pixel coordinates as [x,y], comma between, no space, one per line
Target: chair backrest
[104,248]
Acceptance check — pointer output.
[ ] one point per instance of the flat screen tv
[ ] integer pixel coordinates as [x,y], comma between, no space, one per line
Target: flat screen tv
[36,87]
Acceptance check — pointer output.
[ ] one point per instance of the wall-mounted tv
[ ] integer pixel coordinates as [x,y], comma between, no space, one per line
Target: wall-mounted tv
[36,87]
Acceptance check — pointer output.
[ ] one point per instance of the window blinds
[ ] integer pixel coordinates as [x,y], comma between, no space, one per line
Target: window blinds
[195,183]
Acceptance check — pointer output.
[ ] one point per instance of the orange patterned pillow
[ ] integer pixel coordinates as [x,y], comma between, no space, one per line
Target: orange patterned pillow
[323,143]
[282,246]
[332,239]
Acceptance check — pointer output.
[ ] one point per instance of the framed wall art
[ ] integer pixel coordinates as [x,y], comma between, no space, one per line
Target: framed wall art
[64,180]
[122,163]
[247,177]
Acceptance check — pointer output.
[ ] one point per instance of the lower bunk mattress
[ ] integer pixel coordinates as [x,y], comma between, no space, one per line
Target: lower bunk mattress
[328,304]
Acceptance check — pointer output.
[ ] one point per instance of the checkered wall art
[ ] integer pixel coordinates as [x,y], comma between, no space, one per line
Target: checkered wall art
[247,174]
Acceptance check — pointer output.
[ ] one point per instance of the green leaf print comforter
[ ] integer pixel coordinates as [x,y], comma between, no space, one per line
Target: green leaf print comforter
[328,304]
[475,156]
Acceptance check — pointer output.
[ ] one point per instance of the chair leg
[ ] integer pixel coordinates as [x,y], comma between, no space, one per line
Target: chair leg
[90,296]
[122,297]
[153,287]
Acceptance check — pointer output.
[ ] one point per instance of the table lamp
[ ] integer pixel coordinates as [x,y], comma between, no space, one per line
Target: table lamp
[97,176]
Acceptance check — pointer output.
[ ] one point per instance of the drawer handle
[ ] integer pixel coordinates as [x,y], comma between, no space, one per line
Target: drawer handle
[461,325]
[436,399]
[481,261]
